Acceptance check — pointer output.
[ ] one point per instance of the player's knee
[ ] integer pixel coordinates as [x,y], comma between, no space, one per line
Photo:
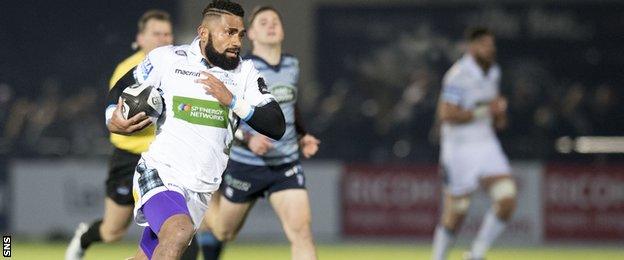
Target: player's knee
[505,208]
[454,212]
[299,231]
[176,240]
[224,235]
[177,236]
[503,193]
[112,234]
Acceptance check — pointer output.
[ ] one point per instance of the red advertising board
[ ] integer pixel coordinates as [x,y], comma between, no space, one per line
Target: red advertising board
[390,200]
[583,202]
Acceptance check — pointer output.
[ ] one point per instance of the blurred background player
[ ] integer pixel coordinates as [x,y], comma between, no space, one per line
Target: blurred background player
[260,166]
[470,109]
[154,30]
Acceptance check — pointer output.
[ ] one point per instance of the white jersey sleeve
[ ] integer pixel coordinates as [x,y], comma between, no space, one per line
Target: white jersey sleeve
[256,92]
[151,69]
[455,87]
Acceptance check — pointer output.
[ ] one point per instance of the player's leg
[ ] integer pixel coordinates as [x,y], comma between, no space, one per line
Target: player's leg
[224,223]
[293,208]
[501,187]
[242,185]
[117,207]
[115,222]
[229,219]
[168,216]
[454,211]
[111,228]
[174,237]
[192,252]
[460,172]
[502,191]
[140,255]
[148,242]
[211,246]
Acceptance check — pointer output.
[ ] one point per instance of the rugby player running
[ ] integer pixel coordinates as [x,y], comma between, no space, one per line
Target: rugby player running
[470,109]
[207,91]
[260,166]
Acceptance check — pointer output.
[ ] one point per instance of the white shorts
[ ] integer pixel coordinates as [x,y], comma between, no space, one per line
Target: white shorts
[464,165]
[157,179]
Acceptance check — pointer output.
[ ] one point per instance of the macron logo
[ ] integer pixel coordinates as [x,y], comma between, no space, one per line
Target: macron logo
[187,73]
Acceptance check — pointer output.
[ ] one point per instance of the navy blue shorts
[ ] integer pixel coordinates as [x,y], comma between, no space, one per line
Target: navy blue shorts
[244,182]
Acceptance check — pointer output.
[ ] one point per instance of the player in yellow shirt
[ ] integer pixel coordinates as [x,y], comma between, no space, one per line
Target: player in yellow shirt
[154,30]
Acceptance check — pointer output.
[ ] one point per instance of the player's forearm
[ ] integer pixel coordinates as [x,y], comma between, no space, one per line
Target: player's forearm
[299,126]
[115,92]
[267,119]
[500,121]
[455,115]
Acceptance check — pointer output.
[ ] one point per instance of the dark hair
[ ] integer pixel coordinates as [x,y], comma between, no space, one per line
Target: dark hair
[475,33]
[218,7]
[260,9]
[152,14]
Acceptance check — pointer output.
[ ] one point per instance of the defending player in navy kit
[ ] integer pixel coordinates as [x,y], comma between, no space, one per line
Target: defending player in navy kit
[259,166]
[470,108]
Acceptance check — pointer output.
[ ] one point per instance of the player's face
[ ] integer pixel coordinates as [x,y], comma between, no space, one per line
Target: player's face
[156,33]
[225,38]
[267,29]
[484,49]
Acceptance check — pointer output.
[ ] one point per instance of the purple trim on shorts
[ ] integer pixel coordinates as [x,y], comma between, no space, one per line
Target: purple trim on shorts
[157,210]
[162,206]
[149,241]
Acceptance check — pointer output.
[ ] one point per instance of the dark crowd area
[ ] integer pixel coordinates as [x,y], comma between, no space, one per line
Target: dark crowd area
[372,101]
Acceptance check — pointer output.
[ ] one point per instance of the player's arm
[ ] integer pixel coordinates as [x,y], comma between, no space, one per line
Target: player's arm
[264,117]
[499,111]
[307,142]
[449,108]
[114,118]
[449,112]
[299,126]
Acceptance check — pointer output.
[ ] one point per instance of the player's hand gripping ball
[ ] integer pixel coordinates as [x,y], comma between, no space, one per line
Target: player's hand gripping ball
[142,98]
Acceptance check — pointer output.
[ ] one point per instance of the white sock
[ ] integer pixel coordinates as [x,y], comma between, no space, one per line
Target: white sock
[443,239]
[490,229]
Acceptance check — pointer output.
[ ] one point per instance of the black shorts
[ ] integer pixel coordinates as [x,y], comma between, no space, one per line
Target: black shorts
[244,182]
[120,172]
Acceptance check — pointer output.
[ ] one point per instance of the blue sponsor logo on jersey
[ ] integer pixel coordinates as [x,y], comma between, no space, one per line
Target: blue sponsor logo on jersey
[146,67]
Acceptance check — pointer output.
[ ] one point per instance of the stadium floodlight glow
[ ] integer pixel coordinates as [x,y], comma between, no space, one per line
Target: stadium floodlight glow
[590,144]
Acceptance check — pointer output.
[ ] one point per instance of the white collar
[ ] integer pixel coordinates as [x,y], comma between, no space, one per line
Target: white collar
[195,54]
[475,68]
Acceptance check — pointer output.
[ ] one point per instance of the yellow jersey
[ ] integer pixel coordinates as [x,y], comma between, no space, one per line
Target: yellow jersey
[139,141]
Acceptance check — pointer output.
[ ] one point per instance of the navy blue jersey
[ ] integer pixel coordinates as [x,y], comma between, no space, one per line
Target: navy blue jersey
[282,82]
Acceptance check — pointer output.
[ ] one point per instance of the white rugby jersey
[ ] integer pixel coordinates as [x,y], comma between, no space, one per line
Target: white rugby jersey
[195,133]
[466,85]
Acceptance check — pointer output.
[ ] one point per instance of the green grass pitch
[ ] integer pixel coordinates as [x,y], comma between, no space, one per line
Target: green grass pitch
[246,251]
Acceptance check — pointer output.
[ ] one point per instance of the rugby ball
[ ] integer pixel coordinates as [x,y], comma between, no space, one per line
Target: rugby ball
[139,98]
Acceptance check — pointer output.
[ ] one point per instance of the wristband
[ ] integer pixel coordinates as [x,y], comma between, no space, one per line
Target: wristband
[242,108]
[233,102]
[109,113]
[482,111]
